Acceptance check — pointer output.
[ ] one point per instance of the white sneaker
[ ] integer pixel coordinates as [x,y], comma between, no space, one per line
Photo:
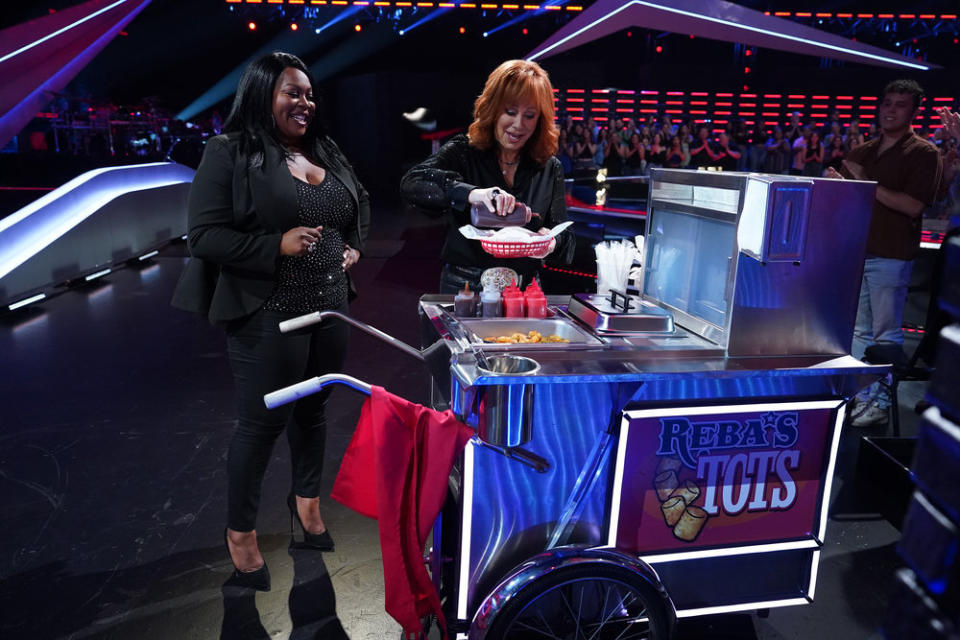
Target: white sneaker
[871,416]
[856,406]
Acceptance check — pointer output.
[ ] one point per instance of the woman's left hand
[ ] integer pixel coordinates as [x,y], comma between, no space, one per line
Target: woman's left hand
[550,247]
[350,257]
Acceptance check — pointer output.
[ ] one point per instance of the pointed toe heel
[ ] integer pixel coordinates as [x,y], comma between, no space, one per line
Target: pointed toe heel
[258,579]
[317,541]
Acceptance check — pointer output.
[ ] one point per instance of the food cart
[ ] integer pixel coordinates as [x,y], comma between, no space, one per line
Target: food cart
[674,458]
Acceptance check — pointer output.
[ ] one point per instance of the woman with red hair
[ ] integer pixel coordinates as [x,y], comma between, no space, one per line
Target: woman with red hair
[507,156]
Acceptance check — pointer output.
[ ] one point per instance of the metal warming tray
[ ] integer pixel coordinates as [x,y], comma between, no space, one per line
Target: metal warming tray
[607,316]
[480,328]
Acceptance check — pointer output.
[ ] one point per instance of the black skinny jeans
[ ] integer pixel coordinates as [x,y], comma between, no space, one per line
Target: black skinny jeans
[265,360]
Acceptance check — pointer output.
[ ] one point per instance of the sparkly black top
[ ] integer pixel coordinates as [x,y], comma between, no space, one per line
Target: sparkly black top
[315,281]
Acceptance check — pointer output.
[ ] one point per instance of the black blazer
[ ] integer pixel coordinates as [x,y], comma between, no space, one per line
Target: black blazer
[239,208]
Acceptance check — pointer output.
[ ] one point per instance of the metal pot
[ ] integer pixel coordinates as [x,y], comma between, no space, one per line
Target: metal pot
[505,411]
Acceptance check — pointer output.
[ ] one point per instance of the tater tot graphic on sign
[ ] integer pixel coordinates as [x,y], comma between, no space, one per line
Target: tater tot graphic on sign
[665,484]
[672,509]
[690,524]
[670,463]
[688,491]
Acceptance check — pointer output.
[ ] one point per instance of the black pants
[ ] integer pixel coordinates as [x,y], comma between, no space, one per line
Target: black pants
[265,360]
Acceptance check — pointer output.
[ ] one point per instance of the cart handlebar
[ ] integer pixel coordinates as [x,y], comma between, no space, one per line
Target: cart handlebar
[300,322]
[299,390]
[318,316]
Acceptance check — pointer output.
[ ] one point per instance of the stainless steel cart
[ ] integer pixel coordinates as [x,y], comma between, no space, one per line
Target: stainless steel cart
[624,479]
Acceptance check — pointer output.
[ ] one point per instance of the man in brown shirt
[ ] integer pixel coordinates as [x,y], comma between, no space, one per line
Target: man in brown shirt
[907,170]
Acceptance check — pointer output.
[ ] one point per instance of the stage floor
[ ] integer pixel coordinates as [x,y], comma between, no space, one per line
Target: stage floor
[117,412]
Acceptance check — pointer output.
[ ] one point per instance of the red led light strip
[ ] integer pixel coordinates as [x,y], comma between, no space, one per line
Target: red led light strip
[882,16]
[575,273]
[815,107]
[462,5]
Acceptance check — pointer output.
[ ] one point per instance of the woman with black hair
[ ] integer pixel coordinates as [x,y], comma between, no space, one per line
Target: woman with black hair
[813,156]
[276,218]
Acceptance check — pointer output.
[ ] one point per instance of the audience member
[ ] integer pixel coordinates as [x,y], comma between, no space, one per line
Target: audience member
[794,129]
[629,128]
[740,139]
[813,156]
[855,136]
[836,131]
[592,129]
[667,127]
[728,155]
[701,155]
[778,153]
[835,153]
[658,152]
[634,157]
[564,153]
[583,149]
[756,151]
[675,159]
[612,152]
[799,151]
[908,171]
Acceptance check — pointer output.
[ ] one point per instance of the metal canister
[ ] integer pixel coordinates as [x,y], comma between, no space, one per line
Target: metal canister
[505,411]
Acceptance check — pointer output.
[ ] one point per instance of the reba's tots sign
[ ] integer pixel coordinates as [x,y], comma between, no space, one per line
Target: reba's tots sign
[724,475]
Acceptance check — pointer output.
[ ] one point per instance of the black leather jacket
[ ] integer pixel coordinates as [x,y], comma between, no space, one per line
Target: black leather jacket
[441,183]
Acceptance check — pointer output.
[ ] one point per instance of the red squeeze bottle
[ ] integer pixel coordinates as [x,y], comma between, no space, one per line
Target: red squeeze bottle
[536,301]
[512,301]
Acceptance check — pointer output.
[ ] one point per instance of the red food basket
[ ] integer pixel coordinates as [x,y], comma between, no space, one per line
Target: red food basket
[515,249]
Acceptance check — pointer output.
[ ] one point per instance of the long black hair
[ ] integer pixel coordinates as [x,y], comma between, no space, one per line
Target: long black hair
[252,112]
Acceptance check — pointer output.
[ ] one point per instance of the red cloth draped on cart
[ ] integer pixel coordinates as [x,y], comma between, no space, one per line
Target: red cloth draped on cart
[395,470]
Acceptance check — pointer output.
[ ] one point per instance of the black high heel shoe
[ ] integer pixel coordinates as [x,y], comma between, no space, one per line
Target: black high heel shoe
[258,579]
[318,541]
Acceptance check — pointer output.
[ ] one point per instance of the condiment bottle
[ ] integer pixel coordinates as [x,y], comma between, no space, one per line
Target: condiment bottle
[465,303]
[512,301]
[491,303]
[535,300]
[483,218]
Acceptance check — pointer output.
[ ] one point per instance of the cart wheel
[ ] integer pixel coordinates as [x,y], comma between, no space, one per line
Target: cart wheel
[589,600]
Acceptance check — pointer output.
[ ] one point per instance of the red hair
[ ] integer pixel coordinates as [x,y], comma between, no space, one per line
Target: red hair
[510,83]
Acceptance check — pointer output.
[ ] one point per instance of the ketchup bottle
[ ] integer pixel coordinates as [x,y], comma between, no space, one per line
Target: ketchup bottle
[536,301]
[512,301]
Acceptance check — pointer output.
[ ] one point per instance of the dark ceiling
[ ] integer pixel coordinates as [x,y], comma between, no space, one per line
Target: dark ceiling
[177,49]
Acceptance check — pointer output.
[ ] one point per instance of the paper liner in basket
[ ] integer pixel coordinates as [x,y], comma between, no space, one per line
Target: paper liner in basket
[511,234]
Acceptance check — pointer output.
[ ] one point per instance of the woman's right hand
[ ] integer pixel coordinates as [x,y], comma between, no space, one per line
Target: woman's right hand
[495,199]
[300,241]
[951,121]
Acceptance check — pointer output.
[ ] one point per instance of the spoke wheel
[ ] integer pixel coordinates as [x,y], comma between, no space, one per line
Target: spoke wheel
[584,602]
